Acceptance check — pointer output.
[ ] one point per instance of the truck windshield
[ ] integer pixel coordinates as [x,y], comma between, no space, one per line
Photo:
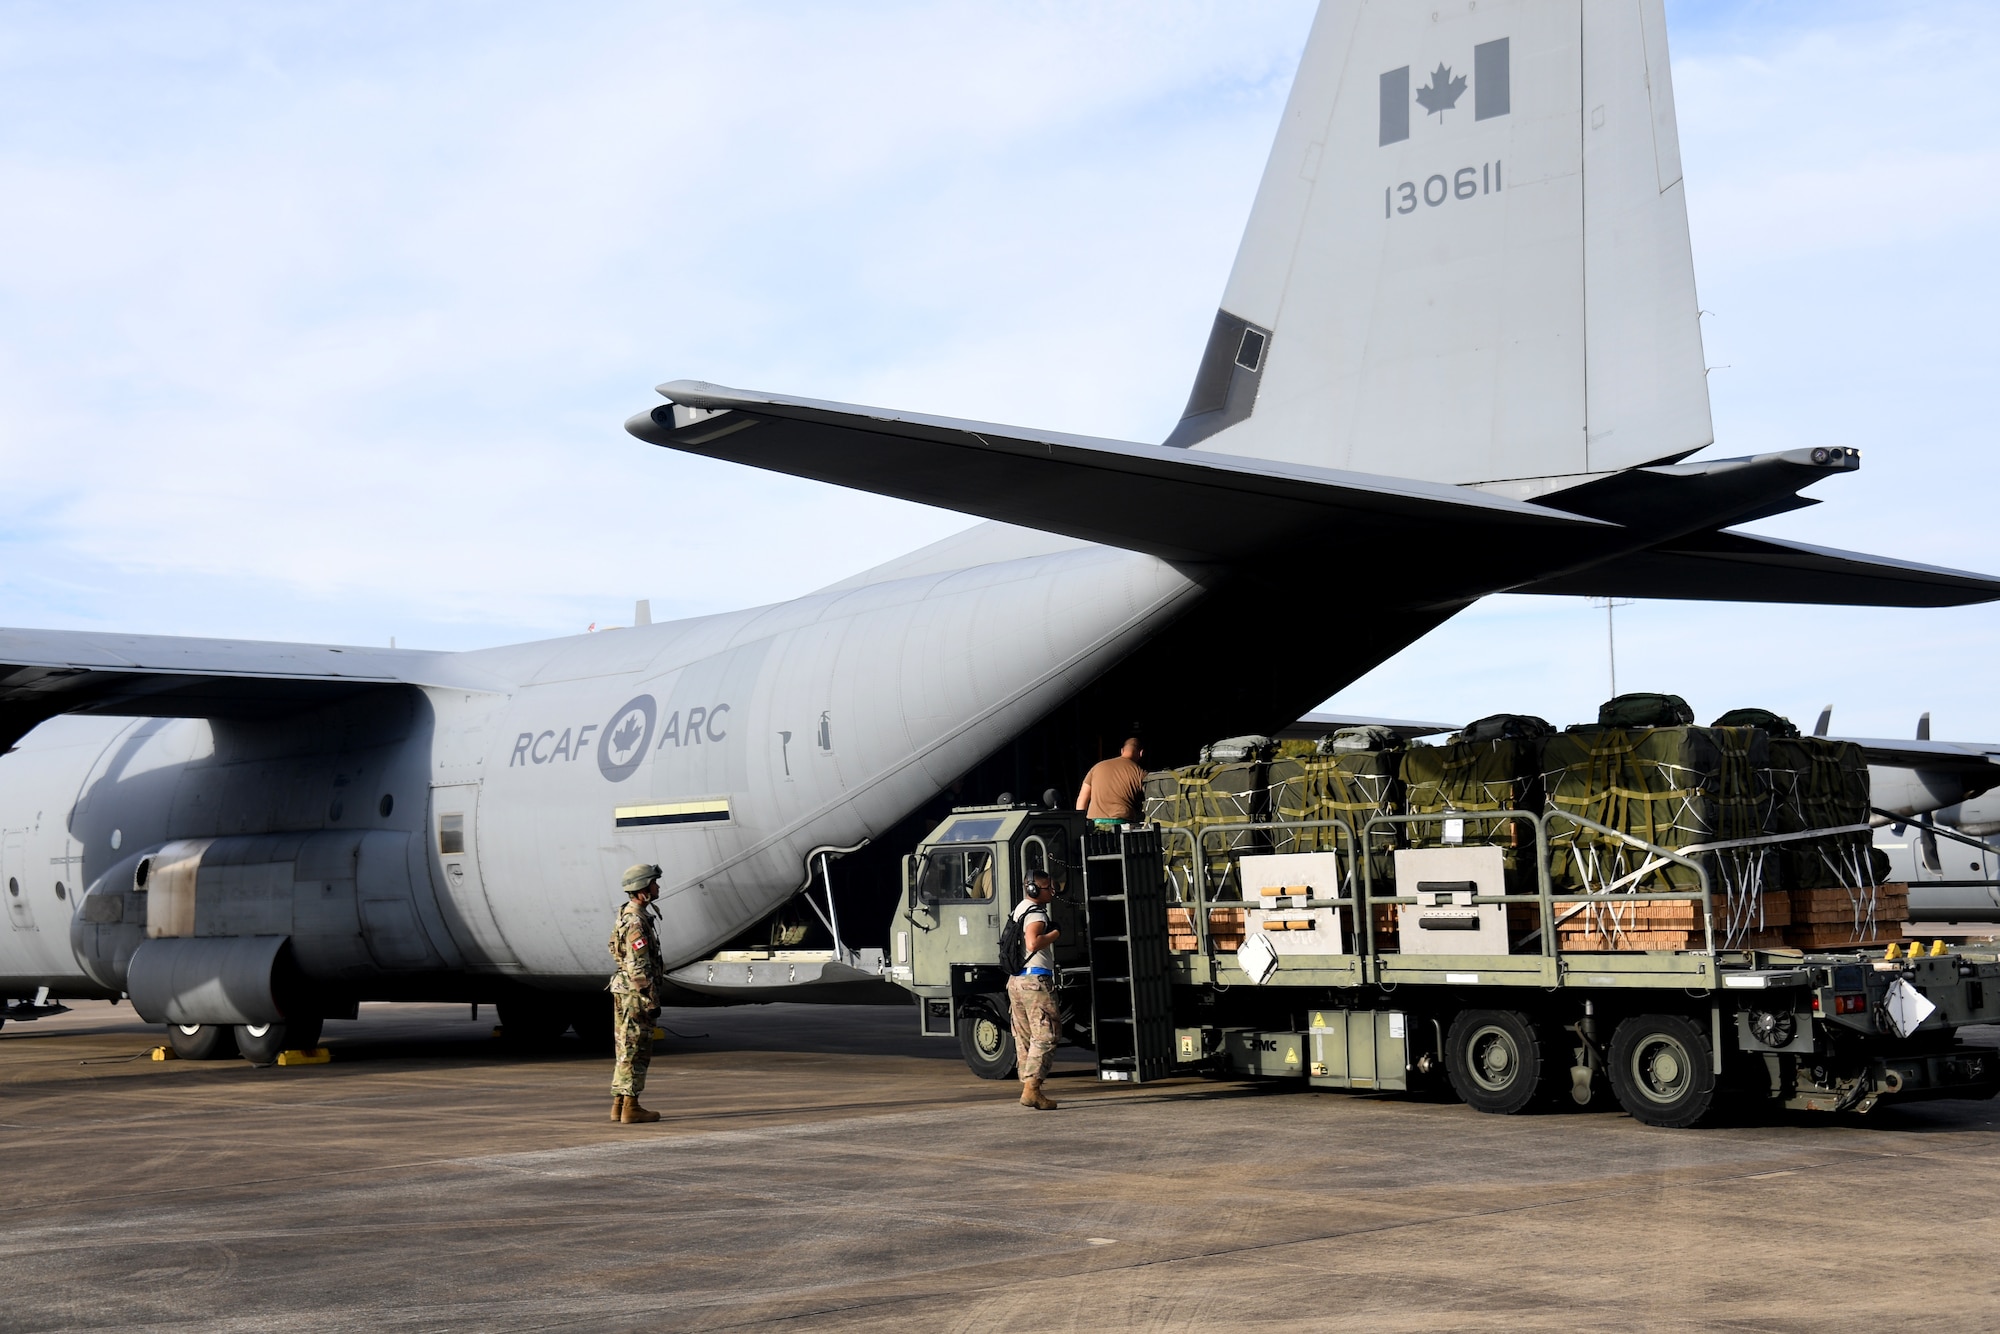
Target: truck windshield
[957,873]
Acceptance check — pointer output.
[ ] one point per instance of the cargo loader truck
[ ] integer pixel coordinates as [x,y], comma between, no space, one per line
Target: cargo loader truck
[1371,964]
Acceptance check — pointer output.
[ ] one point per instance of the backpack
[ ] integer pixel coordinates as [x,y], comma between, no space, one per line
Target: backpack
[1775,724]
[1643,709]
[1238,749]
[1353,740]
[1506,727]
[1014,943]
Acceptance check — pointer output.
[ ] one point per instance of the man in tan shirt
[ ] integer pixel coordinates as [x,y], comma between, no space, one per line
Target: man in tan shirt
[1113,790]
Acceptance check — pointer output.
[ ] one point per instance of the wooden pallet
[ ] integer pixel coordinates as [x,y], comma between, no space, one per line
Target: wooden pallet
[1225,929]
[1842,937]
[1838,918]
[1631,942]
[1643,915]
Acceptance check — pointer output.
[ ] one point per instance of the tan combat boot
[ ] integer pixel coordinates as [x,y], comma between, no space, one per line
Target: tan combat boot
[1032,1096]
[635,1115]
[617,1107]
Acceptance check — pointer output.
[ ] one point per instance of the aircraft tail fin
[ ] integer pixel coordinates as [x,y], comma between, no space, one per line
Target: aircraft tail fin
[1468,260]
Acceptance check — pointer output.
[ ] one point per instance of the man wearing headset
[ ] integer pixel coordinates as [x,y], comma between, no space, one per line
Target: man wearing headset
[1031,994]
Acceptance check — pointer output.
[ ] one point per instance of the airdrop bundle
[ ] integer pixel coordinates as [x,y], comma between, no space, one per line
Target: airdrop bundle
[1779,822]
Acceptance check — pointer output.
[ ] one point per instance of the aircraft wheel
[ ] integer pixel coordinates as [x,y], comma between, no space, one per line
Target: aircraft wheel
[986,1039]
[1499,1061]
[201,1042]
[1663,1071]
[261,1044]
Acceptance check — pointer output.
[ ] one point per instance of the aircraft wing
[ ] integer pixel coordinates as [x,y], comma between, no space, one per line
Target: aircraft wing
[1727,566]
[46,672]
[1319,724]
[1171,503]
[1969,757]
[1440,543]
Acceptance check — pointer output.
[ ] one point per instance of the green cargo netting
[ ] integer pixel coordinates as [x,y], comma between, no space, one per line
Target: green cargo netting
[1819,783]
[1354,786]
[1201,797]
[1497,775]
[1674,787]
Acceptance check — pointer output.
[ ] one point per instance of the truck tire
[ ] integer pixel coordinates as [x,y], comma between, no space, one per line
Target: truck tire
[986,1038]
[201,1042]
[261,1044]
[1499,1061]
[1663,1071]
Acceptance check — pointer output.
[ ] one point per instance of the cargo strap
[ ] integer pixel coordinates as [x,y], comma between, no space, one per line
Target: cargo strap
[1654,862]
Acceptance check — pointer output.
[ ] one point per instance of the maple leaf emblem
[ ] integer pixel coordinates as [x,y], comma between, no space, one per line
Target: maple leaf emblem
[627,736]
[1443,93]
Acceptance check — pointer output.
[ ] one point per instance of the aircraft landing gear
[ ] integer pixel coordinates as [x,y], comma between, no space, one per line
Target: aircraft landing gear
[202,1042]
[261,1044]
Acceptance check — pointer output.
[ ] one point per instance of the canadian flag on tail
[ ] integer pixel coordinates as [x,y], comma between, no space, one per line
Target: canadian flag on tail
[1492,94]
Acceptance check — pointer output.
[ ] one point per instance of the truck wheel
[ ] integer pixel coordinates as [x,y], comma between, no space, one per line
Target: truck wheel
[1498,1061]
[261,1044]
[1663,1071]
[987,1040]
[201,1042]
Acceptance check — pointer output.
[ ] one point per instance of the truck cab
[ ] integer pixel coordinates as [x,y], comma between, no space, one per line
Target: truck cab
[959,887]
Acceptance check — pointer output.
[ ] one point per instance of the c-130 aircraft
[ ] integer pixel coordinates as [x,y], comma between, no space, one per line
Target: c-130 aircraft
[1458,354]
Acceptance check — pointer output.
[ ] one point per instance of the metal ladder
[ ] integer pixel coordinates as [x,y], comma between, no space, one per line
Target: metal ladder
[1131,996]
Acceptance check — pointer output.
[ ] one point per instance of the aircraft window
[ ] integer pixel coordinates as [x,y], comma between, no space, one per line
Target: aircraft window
[957,873]
[13,887]
[388,803]
[972,831]
[1250,352]
[61,893]
[451,834]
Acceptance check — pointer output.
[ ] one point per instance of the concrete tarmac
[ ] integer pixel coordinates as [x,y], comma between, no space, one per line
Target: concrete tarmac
[826,1169]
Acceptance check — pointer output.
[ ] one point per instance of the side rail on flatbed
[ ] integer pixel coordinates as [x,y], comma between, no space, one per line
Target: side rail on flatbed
[1368,963]
[1389,930]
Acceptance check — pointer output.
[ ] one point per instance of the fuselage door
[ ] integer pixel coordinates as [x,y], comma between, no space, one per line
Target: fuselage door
[461,890]
[20,916]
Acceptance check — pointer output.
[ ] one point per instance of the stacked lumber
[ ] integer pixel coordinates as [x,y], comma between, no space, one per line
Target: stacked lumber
[1387,941]
[1676,924]
[1225,929]
[1847,918]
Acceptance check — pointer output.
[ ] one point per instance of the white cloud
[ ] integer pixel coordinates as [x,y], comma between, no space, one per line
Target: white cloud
[348,305]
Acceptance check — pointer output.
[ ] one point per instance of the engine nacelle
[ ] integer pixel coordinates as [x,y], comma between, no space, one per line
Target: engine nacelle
[217,980]
[242,929]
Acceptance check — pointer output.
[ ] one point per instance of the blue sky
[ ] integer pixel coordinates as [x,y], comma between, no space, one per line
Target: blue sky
[319,322]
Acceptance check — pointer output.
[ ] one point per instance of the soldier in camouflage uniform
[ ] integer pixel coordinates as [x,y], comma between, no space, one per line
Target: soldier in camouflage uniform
[1031,996]
[635,991]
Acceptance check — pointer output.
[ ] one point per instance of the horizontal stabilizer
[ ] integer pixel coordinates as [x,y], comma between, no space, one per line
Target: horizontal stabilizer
[1175,504]
[1729,566]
